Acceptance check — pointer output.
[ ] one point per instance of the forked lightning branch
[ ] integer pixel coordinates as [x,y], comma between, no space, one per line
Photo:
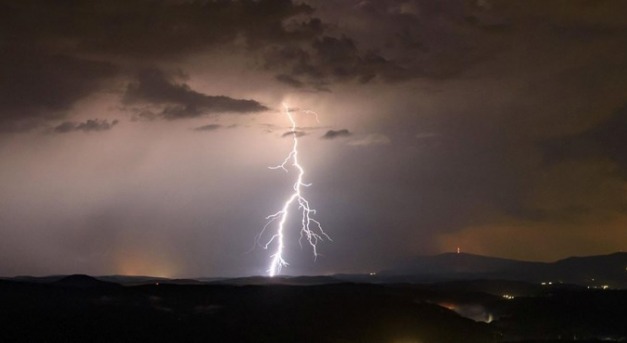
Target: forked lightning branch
[296,203]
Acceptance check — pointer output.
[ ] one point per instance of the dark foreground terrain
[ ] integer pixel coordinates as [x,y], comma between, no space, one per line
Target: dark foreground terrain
[84,309]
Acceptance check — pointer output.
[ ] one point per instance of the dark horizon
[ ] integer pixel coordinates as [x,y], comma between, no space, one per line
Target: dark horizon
[292,275]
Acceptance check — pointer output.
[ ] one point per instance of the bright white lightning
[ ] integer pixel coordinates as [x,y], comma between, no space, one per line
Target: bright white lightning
[310,228]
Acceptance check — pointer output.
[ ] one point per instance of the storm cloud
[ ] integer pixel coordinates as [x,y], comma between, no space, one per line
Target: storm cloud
[37,87]
[179,100]
[331,134]
[87,126]
[294,134]
[208,127]
[44,70]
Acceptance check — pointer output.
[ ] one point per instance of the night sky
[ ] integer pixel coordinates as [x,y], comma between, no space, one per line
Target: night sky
[135,136]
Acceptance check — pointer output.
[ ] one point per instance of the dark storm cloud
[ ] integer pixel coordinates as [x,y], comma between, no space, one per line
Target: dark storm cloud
[208,127]
[180,101]
[341,59]
[294,133]
[44,71]
[289,81]
[329,59]
[150,29]
[87,126]
[331,134]
[303,50]
[35,86]
[412,40]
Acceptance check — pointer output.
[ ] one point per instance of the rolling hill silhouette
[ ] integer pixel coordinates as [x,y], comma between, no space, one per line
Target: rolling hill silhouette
[590,270]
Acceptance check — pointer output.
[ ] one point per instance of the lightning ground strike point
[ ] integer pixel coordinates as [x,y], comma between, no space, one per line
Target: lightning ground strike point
[310,229]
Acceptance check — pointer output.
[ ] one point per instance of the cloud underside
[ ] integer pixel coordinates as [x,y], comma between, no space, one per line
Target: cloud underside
[39,87]
[179,101]
[294,134]
[331,134]
[91,125]
[44,68]
[208,127]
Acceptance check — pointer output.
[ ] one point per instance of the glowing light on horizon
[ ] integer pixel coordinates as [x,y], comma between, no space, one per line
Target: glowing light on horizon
[310,228]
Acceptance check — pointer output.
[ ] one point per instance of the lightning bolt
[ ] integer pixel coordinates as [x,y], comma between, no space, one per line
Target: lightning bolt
[310,229]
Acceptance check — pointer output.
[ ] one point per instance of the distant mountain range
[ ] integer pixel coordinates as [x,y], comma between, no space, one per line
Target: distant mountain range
[605,271]
[594,271]
[83,281]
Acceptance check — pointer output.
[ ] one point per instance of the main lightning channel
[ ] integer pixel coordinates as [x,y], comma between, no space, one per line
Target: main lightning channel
[311,229]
